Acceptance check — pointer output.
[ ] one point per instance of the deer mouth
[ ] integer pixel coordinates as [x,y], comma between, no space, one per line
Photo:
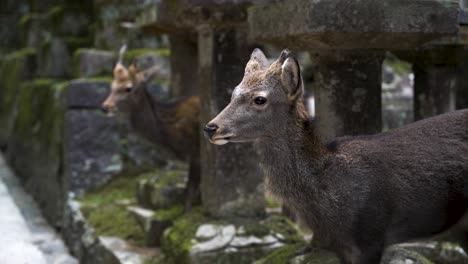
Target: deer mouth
[220,140]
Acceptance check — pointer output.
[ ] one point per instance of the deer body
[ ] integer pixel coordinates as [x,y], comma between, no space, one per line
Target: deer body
[173,125]
[357,194]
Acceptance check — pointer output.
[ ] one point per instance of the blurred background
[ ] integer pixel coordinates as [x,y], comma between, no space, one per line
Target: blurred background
[99,192]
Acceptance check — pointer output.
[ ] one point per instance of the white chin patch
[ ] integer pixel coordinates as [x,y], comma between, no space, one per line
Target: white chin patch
[220,141]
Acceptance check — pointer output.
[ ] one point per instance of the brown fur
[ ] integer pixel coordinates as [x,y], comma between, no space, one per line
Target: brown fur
[358,194]
[173,125]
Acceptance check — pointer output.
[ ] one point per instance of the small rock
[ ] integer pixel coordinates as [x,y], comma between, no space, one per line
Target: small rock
[253,240]
[65,259]
[219,241]
[207,231]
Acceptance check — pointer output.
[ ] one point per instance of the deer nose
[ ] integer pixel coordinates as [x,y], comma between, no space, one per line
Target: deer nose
[210,129]
[104,109]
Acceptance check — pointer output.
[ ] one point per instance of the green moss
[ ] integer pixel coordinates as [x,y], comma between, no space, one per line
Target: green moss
[270,203]
[159,259]
[40,113]
[114,220]
[76,43]
[282,225]
[170,177]
[132,54]
[121,188]
[168,214]
[177,240]
[281,255]
[101,209]
[97,79]
[399,66]
[256,229]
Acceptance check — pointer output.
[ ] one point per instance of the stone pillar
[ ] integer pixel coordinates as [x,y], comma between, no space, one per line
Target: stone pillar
[232,182]
[184,64]
[347,87]
[462,88]
[434,89]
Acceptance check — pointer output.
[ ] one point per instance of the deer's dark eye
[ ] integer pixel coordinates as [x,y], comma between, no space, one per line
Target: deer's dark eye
[259,100]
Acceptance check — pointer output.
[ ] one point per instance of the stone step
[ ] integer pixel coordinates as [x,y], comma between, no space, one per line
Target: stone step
[197,238]
[93,62]
[26,236]
[162,189]
[154,223]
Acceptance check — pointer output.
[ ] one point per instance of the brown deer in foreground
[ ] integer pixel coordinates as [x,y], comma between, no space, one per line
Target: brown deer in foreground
[358,194]
[173,125]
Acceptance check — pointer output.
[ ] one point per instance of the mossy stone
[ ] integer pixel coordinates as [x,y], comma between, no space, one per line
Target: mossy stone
[177,240]
[102,209]
[281,255]
[15,67]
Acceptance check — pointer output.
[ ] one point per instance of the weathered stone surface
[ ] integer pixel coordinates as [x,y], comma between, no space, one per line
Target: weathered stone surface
[154,223]
[35,146]
[140,155]
[347,88]
[92,147]
[184,64]
[163,189]
[124,252]
[14,68]
[55,60]
[115,25]
[436,252]
[223,237]
[170,16]
[87,94]
[195,239]
[434,90]
[346,24]
[149,59]
[81,240]
[91,62]
[318,256]
[232,182]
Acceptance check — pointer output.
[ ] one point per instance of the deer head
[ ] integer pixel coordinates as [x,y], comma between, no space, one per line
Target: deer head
[263,104]
[124,84]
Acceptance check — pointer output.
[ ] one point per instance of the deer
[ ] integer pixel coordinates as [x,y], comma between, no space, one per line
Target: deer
[173,125]
[358,194]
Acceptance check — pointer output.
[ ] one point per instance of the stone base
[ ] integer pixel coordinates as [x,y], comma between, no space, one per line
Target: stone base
[197,239]
[90,248]
[162,189]
[154,223]
[407,253]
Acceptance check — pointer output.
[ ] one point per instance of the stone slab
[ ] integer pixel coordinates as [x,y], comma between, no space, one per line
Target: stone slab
[92,147]
[92,62]
[343,24]
[26,236]
[86,94]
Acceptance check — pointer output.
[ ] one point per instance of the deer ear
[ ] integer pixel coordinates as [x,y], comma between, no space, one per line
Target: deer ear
[120,72]
[258,61]
[291,78]
[135,76]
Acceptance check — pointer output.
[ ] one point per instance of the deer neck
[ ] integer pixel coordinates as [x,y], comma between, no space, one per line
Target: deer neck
[292,162]
[145,117]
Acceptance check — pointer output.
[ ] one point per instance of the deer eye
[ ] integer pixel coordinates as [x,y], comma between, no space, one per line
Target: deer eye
[260,100]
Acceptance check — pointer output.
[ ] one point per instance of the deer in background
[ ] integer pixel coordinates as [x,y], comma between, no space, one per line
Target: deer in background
[173,125]
[358,194]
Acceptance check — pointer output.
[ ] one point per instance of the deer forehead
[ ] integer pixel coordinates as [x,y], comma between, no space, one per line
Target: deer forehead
[120,85]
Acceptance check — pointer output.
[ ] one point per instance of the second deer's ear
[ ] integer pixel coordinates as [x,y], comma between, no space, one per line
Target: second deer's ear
[291,78]
[258,61]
